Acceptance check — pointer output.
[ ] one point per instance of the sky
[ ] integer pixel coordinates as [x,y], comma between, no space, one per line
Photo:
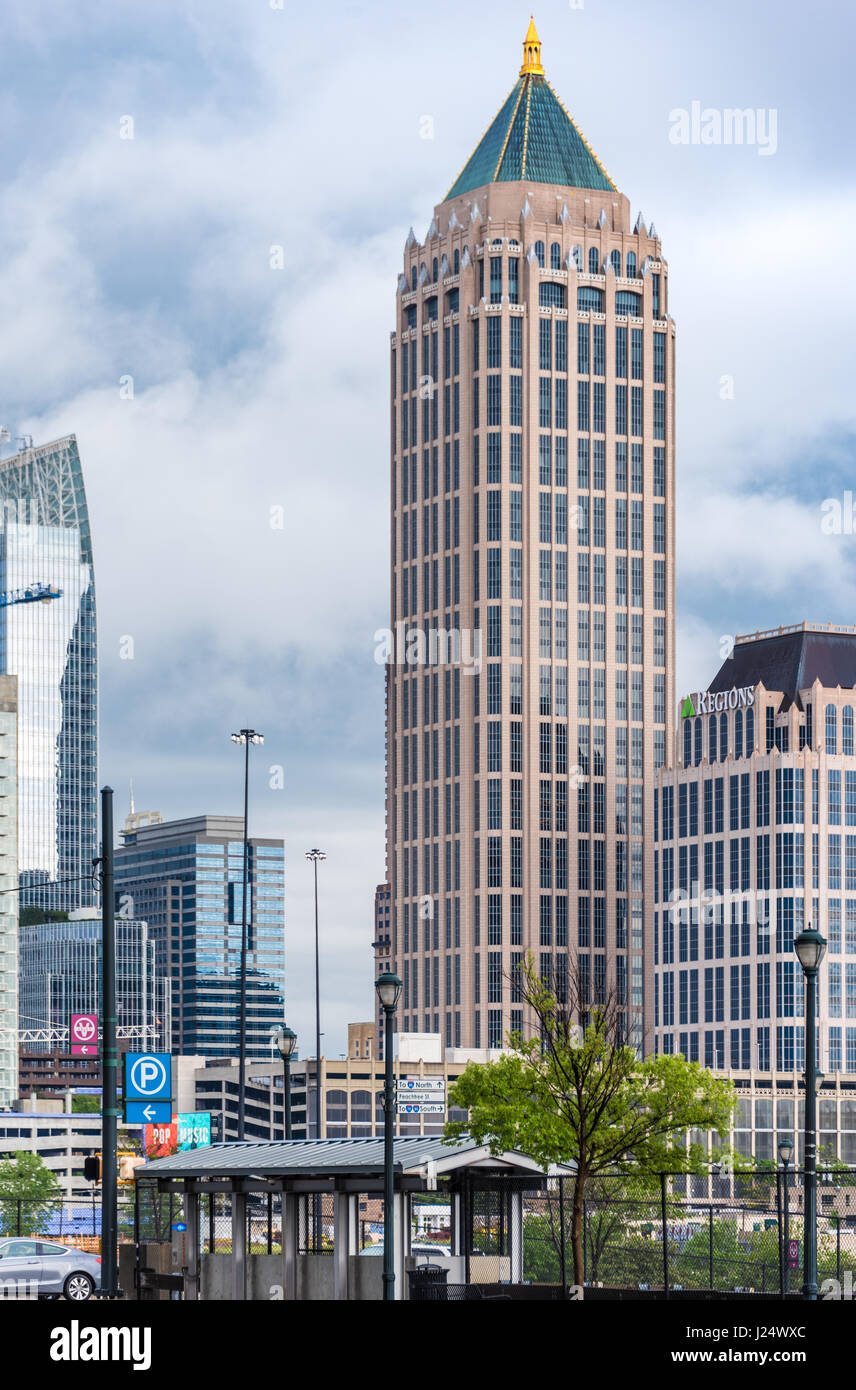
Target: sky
[203,210]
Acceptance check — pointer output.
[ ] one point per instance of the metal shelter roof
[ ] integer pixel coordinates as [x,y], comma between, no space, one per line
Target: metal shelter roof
[330,1158]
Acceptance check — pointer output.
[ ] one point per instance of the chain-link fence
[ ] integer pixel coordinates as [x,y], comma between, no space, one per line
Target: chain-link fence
[670,1232]
[76,1223]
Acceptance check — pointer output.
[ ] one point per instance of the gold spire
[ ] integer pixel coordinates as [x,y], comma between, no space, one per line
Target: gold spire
[531,51]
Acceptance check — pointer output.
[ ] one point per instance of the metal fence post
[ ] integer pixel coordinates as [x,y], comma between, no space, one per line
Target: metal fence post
[838,1247]
[562,1234]
[664,1219]
[18,1232]
[781,1230]
[710,1243]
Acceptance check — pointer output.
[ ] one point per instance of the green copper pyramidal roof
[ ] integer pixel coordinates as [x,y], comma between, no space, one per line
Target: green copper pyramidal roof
[532,139]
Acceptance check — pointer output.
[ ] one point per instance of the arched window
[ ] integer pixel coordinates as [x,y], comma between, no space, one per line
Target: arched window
[435,270]
[688,742]
[578,257]
[456,262]
[539,253]
[750,732]
[697,741]
[361,1115]
[628,302]
[738,733]
[615,260]
[594,260]
[336,1108]
[589,297]
[847,730]
[831,729]
[551,295]
[631,265]
[555,256]
[711,738]
[413,275]
[723,737]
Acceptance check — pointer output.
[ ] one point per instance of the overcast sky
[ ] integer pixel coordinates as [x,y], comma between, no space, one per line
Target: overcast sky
[257,126]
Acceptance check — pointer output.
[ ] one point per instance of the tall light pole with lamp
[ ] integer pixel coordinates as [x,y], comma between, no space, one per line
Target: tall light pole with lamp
[286,1041]
[810,947]
[316,857]
[389,989]
[245,737]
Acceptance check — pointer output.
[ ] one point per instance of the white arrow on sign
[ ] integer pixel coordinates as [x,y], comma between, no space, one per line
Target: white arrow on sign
[84,1051]
[149,1112]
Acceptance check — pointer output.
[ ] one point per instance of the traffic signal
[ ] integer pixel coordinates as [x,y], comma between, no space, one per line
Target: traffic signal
[92,1168]
[127,1164]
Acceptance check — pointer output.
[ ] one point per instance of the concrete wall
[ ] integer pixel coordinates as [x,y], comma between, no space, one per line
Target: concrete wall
[314,1277]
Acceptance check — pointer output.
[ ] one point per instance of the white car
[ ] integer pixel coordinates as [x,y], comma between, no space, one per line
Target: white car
[418,1248]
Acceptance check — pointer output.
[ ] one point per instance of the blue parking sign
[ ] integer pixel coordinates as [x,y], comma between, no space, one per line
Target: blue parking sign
[148,1076]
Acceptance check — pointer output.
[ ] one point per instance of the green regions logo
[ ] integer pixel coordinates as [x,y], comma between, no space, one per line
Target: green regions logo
[687,708]
[715,702]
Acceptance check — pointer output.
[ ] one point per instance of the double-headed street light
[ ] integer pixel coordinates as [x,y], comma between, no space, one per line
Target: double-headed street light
[286,1041]
[810,947]
[786,1153]
[245,737]
[389,989]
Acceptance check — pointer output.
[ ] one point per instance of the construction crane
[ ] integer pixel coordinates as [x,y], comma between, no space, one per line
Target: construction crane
[36,593]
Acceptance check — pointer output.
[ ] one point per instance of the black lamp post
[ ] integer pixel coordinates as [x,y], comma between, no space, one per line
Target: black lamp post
[389,989]
[286,1041]
[316,857]
[786,1150]
[810,947]
[245,737]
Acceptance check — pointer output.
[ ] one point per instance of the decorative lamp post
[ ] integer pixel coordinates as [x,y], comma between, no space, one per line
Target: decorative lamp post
[810,947]
[286,1041]
[389,989]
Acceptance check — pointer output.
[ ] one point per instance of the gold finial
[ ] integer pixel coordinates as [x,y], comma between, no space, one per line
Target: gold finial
[531,51]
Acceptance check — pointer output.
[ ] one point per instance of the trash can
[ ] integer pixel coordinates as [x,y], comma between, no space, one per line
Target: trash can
[428,1284]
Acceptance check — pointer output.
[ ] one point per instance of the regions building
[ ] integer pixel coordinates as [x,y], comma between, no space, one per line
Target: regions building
[8,885]
[50,646]
[186,879]
[755,839]
[530,664]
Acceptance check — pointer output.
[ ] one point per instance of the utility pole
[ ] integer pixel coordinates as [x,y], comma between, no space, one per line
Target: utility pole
[110,1062]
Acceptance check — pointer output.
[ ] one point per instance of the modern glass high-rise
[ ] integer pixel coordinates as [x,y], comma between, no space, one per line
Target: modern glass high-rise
[8,896]
[60,974]
[51,648]
[532,375]
[185,878]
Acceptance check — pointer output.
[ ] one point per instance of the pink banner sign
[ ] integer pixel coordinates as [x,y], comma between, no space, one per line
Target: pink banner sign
[83,1032]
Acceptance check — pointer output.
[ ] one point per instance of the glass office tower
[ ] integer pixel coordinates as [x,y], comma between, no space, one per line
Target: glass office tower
[185,878]
[51,647]
[60,975]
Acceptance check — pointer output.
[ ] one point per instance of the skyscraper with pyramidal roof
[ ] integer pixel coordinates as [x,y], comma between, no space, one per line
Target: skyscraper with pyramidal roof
[530,690]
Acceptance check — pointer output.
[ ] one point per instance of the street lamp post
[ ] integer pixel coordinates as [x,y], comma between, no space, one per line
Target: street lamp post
[786,1149]
[286,1041]
[245,737]
[316,857]
[388,988]
[810,947]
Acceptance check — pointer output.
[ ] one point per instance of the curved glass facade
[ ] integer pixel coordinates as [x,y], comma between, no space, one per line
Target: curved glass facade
[51,648]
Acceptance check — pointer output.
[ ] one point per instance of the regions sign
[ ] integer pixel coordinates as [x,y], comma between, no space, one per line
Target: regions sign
[717,701]
[83,1035]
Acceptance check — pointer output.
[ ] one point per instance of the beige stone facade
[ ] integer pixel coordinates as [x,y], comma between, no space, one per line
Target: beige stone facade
[532,370]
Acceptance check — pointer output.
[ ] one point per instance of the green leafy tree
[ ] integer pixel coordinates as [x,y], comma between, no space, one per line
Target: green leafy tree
[26,1180]
[577,1094]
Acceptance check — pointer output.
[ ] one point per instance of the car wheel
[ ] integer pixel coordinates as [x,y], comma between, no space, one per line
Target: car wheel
[78,1287]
